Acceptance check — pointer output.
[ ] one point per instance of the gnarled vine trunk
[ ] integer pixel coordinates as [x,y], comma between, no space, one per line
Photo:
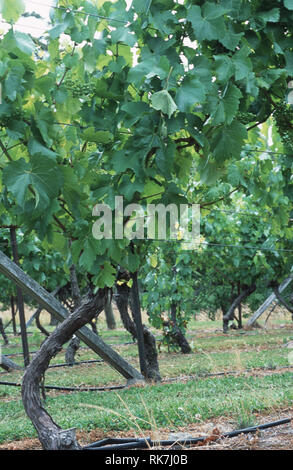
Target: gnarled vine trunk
[51,436]
[74,343]
[230,313]
[175,332]
[38,323]
[110,319]
[7,364]
[2,331]
[71,350]
[123,301]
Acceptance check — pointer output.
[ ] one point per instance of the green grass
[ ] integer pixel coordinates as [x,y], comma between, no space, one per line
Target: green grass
[170,405]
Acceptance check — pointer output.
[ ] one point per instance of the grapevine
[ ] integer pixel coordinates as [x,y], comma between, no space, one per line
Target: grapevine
[79,90]
[16,115]
[246,118]
[284,121]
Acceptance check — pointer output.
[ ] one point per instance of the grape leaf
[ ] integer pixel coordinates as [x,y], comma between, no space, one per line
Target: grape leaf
[227,141]
[41,174]
[191,91]
[11,11]
[106,276]
[163,101]
[208,23]
[288,4]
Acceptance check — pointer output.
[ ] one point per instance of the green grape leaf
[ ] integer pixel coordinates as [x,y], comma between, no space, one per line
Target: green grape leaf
[128,188]
[165,159]
[288,4]
[12,85]
[272,16]
[11,10]
[134,111]
[100,137]
[223,67]
[141,6]
[41,174]
[163,101]
[208,22]
[224,107]
[151,66]
[122,34]
[106,276]
[131,262]
[242,62]
[191,91]
[35,148]
[88,255]
[227,141]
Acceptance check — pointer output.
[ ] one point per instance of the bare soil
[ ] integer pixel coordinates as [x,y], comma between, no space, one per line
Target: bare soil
[274,438]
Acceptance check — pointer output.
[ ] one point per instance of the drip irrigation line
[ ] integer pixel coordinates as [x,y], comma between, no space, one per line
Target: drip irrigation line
[65,364]
[223,373]
[112,444]
[69,389]
[119,387]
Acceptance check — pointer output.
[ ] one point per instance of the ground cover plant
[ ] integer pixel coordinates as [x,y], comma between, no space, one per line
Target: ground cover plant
[258,380]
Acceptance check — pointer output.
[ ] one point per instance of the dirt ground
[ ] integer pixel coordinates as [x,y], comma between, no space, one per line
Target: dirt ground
[274,438]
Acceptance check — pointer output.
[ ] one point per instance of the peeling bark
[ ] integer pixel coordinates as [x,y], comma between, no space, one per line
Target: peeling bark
[230,314]
[123,301]
[176,333]
[51,436]
[74,343]
[7,364]
[38,323]
[110,319]
[2,331]
[71,350]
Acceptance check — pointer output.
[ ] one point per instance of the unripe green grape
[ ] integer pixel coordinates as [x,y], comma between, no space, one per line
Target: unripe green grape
[283,116]
[78,90]
[246,117]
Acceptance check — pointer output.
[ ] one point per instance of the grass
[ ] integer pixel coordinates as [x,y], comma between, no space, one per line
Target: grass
[171,405]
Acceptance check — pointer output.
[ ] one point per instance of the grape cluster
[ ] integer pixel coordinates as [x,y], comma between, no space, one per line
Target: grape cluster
[79,90]
[15,115]
[283,116]
[245,117]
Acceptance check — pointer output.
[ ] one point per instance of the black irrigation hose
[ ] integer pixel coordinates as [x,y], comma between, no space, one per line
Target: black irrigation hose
[228,372]
[70,389]
[113,444]
[119,387]
[65,364]
[51,366]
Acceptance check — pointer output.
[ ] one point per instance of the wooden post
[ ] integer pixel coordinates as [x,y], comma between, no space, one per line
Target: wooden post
[13,314]
[268,301]
[53,306]
[20,303]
